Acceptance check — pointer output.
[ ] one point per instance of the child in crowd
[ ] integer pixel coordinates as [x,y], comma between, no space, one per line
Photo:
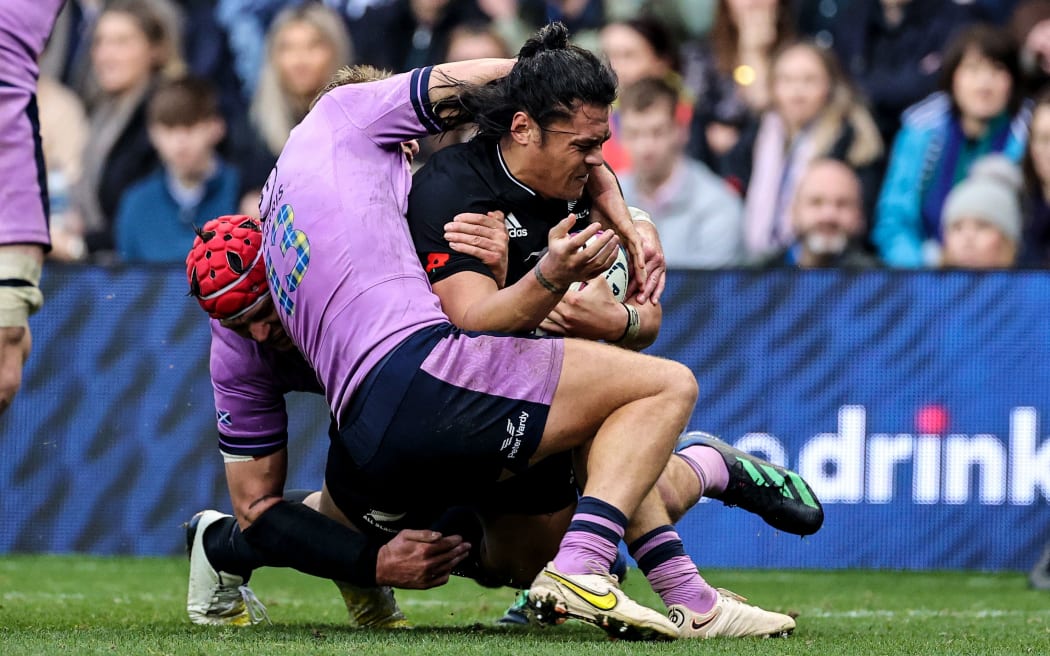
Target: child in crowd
[157,216]
[982,217]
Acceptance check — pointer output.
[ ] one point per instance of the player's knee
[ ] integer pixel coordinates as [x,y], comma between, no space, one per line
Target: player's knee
[678,488]
[680,385]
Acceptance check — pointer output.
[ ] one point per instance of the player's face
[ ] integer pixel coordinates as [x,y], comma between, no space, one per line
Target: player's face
[263,326]
[567,150]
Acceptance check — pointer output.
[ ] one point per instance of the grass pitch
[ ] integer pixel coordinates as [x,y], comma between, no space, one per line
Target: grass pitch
[84,605]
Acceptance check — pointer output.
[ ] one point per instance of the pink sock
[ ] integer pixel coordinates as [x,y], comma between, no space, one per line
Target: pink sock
[709,467]
[584,553]
[677,582]
[590,542]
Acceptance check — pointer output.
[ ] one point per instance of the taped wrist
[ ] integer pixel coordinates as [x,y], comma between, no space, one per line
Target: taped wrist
[20,294]
[640,215]
[292,535]
[634,325]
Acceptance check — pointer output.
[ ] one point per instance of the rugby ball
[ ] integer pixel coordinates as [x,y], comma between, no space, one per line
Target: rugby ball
[617,275]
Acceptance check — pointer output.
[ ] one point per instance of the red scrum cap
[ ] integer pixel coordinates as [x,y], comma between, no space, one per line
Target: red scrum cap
[225,266]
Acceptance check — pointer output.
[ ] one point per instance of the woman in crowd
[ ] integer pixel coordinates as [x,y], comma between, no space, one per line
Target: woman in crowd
[133,46]
[63,133]
[1035,248]
[730,79]
[979,111]
[640,48]
[305,46]
[813,113]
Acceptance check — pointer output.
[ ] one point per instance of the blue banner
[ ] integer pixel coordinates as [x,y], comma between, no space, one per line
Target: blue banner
[914,403]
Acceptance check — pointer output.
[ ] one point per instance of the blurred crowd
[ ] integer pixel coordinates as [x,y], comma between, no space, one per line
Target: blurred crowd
[811,133]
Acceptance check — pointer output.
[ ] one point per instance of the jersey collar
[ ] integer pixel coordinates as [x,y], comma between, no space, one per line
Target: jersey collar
[508,174]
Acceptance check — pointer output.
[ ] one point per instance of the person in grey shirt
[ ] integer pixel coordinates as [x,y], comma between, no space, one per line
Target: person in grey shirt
[697,213]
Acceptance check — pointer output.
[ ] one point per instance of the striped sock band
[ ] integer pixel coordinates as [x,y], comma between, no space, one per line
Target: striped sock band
[661,556]
[591,539]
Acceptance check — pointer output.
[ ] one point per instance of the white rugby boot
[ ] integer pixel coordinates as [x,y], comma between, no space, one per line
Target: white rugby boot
[732,617]
[216,598]
[595,598]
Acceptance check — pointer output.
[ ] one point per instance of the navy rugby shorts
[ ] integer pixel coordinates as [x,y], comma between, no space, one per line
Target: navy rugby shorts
[440,421]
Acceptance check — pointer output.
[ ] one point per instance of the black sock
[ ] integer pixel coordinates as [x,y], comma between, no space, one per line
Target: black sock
[228,551]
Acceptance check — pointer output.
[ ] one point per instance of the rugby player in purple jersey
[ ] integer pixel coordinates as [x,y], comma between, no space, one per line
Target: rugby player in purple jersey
[426,414]
[354,300]
[24,237]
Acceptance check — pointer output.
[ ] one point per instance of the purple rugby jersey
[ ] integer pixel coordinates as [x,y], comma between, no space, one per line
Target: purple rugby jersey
[249,381]
[343,271]
[24,28]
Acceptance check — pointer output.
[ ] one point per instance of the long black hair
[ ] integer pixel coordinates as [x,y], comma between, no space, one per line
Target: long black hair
[549,81]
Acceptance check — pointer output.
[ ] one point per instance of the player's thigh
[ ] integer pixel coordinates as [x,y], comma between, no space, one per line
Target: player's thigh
[598,379]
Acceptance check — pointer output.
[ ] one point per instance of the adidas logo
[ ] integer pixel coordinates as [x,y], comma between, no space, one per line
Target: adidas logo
[514,228]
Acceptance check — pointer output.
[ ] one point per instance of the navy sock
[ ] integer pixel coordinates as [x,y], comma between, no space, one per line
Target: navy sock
[228,551]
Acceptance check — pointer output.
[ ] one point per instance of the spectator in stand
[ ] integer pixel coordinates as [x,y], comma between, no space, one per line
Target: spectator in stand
[1030,25]
[828,220]
[192,185]
[982,217]
[979,111]
[697,214]
[245,23]
[1035,243]
[814,114]
[208,54]
[132,49]
[67,55]
[305,46]
[640,48]
[406,34]
[63,133]
[468,41]
[730,81]
[893,51]
[475,41]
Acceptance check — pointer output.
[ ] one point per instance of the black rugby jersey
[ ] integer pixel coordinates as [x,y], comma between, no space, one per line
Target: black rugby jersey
[472,177]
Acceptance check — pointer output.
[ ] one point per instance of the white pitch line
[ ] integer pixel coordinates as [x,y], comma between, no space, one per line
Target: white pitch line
[921,613]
